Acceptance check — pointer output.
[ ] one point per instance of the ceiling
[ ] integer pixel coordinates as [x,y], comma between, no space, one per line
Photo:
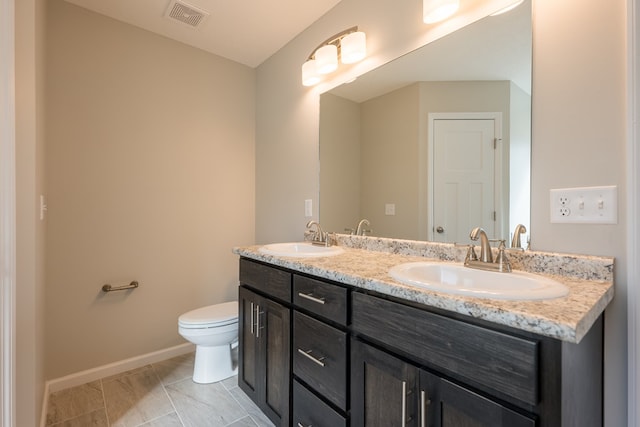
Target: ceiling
[245,31]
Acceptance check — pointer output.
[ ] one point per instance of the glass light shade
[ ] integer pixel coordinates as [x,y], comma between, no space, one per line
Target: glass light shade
[326,59]
[310,76]
[438,10]
[353,47]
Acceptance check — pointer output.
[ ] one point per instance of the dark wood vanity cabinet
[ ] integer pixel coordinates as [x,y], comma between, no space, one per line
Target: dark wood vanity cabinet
[264,341]
[322,354]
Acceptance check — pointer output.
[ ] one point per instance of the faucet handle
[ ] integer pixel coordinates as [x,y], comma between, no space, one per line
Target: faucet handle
[471,252]
[501,259]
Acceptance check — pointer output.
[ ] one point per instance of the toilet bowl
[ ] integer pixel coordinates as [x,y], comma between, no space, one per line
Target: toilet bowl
[214,331]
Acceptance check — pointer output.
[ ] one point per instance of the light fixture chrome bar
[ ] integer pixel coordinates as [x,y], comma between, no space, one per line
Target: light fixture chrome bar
[334,40]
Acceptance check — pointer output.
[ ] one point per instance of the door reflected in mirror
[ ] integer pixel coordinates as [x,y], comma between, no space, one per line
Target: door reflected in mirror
[435,142]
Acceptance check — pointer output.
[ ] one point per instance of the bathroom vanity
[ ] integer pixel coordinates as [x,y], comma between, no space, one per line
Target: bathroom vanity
[335,341]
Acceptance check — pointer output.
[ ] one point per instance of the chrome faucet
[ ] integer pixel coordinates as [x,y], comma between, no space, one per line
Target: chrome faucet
[360,231]
[485,261]
[485,246]
[317,236]
[515,241]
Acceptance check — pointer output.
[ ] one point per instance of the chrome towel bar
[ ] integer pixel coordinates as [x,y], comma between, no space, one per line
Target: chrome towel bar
[109,288]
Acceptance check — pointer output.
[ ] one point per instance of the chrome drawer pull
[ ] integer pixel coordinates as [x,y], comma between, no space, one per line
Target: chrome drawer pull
[252,318]
[404,404]
[258,327]
[307,354]
[310,297]
[424,407]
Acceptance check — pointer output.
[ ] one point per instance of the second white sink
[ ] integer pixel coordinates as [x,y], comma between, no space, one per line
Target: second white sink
[457,279]
[300,250]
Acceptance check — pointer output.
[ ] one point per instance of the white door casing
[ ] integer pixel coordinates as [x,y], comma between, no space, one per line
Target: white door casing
[7,214]
[633,206]
[465,178]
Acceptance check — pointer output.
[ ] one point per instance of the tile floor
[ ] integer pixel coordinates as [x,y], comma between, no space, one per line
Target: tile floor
[157,395]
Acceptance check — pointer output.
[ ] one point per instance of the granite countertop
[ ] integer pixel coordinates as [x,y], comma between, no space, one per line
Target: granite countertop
[589,279]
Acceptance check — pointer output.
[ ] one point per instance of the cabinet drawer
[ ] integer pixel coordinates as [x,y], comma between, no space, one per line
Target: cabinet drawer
[321,298]
[320,358]
[487,359]
[269,280]
[309,410]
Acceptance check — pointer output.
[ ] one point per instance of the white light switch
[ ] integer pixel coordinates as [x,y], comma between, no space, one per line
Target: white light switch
[308,208]
[390,209]
[585,205]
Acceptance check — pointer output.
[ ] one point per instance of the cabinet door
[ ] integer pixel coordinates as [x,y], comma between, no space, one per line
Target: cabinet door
[444,404]
[383,389]
[263,354]
[274,336]
[248,350]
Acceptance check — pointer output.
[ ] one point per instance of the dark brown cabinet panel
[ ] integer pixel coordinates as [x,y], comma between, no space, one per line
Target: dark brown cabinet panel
[320,358]
[387,391]
[264,354]
[490,359]
[445,404]
[311,411]
[383,389]
[323,299]
[271,281]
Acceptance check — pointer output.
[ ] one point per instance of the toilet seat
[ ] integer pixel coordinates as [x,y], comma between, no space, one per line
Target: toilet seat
[212,316]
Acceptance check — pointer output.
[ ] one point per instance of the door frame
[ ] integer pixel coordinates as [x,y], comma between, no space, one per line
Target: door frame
[7,214]
[633,210]
[498,188]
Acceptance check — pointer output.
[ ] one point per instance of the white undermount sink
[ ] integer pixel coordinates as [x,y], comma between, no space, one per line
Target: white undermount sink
[461,280]
[300,249]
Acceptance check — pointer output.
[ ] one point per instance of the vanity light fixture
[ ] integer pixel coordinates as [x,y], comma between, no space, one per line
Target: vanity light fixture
[350,46]
[508,8]
[438,10]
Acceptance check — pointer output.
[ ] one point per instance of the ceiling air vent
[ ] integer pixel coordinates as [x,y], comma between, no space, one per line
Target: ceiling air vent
[186,13]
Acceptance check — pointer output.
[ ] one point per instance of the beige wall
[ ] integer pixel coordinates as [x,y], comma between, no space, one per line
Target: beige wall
[340,163]
[150,177]
[30,231]
[578,132]
[579,139]
[390,130]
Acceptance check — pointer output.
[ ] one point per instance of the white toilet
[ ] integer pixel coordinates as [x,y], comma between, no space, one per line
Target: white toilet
[214,330]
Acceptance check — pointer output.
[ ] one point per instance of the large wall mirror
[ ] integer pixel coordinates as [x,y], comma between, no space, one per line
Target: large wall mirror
[435,142]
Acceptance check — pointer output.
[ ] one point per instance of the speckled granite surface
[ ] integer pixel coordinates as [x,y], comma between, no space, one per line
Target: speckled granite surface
[367,260]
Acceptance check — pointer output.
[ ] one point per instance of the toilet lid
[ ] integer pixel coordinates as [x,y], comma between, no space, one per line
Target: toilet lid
[217,314]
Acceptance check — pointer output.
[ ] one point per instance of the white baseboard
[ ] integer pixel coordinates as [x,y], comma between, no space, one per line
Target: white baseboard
[115,368]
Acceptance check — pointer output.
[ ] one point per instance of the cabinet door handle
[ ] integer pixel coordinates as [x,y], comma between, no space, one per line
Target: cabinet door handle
[403,422]
[316,360]
[258,327]
[310,297]
[424,408]
[252,319]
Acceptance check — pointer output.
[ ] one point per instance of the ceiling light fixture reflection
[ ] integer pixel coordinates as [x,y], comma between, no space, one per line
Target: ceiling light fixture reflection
[348,46]
[508,8]
[438,10]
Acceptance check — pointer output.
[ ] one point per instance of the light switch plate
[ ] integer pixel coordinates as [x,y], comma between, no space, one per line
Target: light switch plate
[390,209]
[584,205]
